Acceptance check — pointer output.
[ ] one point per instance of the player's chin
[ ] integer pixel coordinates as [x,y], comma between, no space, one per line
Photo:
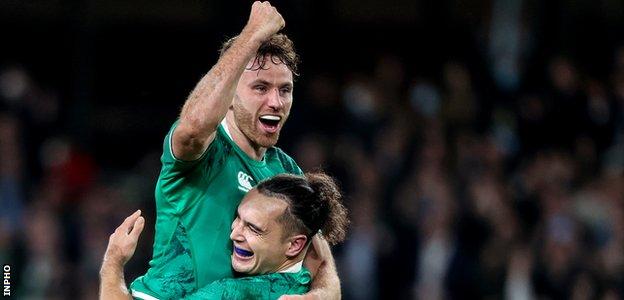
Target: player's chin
[241,267]
[267,140]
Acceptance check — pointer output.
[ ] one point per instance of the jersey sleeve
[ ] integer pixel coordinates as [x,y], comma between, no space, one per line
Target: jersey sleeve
[173,163]
[176,174]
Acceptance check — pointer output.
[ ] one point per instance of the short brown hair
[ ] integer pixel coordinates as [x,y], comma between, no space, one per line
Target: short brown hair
[314,203]
[279,48]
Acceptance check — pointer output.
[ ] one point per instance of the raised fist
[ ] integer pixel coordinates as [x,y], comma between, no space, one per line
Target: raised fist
[264,21]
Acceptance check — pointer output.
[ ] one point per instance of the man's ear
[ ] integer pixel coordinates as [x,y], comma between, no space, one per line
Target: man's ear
[296,245]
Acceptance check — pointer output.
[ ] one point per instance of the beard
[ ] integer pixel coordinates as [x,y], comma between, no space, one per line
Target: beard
[247,123]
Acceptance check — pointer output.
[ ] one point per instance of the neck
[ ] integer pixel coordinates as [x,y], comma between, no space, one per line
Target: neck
[293,260]
[291,265]
[253,150]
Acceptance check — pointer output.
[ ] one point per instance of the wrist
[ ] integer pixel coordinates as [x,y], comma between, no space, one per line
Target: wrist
[111,267]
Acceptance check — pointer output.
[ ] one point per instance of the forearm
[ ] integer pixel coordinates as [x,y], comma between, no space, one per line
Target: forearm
[209,101]
[112,282]
[326,284]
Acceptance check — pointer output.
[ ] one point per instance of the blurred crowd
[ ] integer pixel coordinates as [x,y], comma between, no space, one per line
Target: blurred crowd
[453,198]
[454,191]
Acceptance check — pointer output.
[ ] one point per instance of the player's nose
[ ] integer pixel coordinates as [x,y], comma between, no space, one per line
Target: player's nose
[275,101]
[235,236]
[236,229]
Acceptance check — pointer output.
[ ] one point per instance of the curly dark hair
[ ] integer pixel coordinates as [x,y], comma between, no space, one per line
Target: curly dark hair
[314,203]
[279,48]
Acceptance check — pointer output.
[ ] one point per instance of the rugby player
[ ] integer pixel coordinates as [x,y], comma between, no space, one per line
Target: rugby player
[273,227]
[221,146]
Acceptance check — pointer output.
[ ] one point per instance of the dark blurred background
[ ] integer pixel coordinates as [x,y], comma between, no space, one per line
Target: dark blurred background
[480,143]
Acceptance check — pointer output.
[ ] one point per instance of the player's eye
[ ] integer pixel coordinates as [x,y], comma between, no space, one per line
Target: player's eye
[286,91]
[260,88]
[254,230]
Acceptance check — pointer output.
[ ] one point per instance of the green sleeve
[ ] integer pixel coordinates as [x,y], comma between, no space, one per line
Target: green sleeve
[176,175]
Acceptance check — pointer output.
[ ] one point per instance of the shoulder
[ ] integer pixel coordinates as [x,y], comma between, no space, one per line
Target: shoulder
[222,141]
[220,144]
[291,283]
[173,169]
[289,164]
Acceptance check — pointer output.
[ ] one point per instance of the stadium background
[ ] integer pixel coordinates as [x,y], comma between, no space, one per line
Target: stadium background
[480,143]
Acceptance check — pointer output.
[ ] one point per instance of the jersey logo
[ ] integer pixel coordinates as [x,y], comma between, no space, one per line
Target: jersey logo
[244,182]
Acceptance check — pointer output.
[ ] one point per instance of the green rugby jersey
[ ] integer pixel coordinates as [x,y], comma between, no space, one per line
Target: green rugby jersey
[195,205]
[269,286]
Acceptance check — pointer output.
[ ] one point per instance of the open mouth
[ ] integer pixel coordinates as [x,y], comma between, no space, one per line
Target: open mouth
[243,252]
[270,122]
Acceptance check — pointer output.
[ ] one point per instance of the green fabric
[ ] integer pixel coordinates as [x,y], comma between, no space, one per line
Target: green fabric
[195,206]
[270,286]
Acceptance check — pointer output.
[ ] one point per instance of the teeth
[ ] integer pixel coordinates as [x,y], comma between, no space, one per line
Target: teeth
[271,118]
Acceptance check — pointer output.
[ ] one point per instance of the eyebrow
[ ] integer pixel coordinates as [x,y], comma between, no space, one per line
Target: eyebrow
[262,81]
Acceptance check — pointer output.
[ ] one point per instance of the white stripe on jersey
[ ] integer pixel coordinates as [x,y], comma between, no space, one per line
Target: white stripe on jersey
[143,296]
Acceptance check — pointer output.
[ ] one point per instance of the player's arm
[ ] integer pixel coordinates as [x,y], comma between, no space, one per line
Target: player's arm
[207,105]
[121,246]
[325,282]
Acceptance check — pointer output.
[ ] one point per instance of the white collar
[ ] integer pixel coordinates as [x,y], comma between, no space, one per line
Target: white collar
[294,268]
[227,130]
